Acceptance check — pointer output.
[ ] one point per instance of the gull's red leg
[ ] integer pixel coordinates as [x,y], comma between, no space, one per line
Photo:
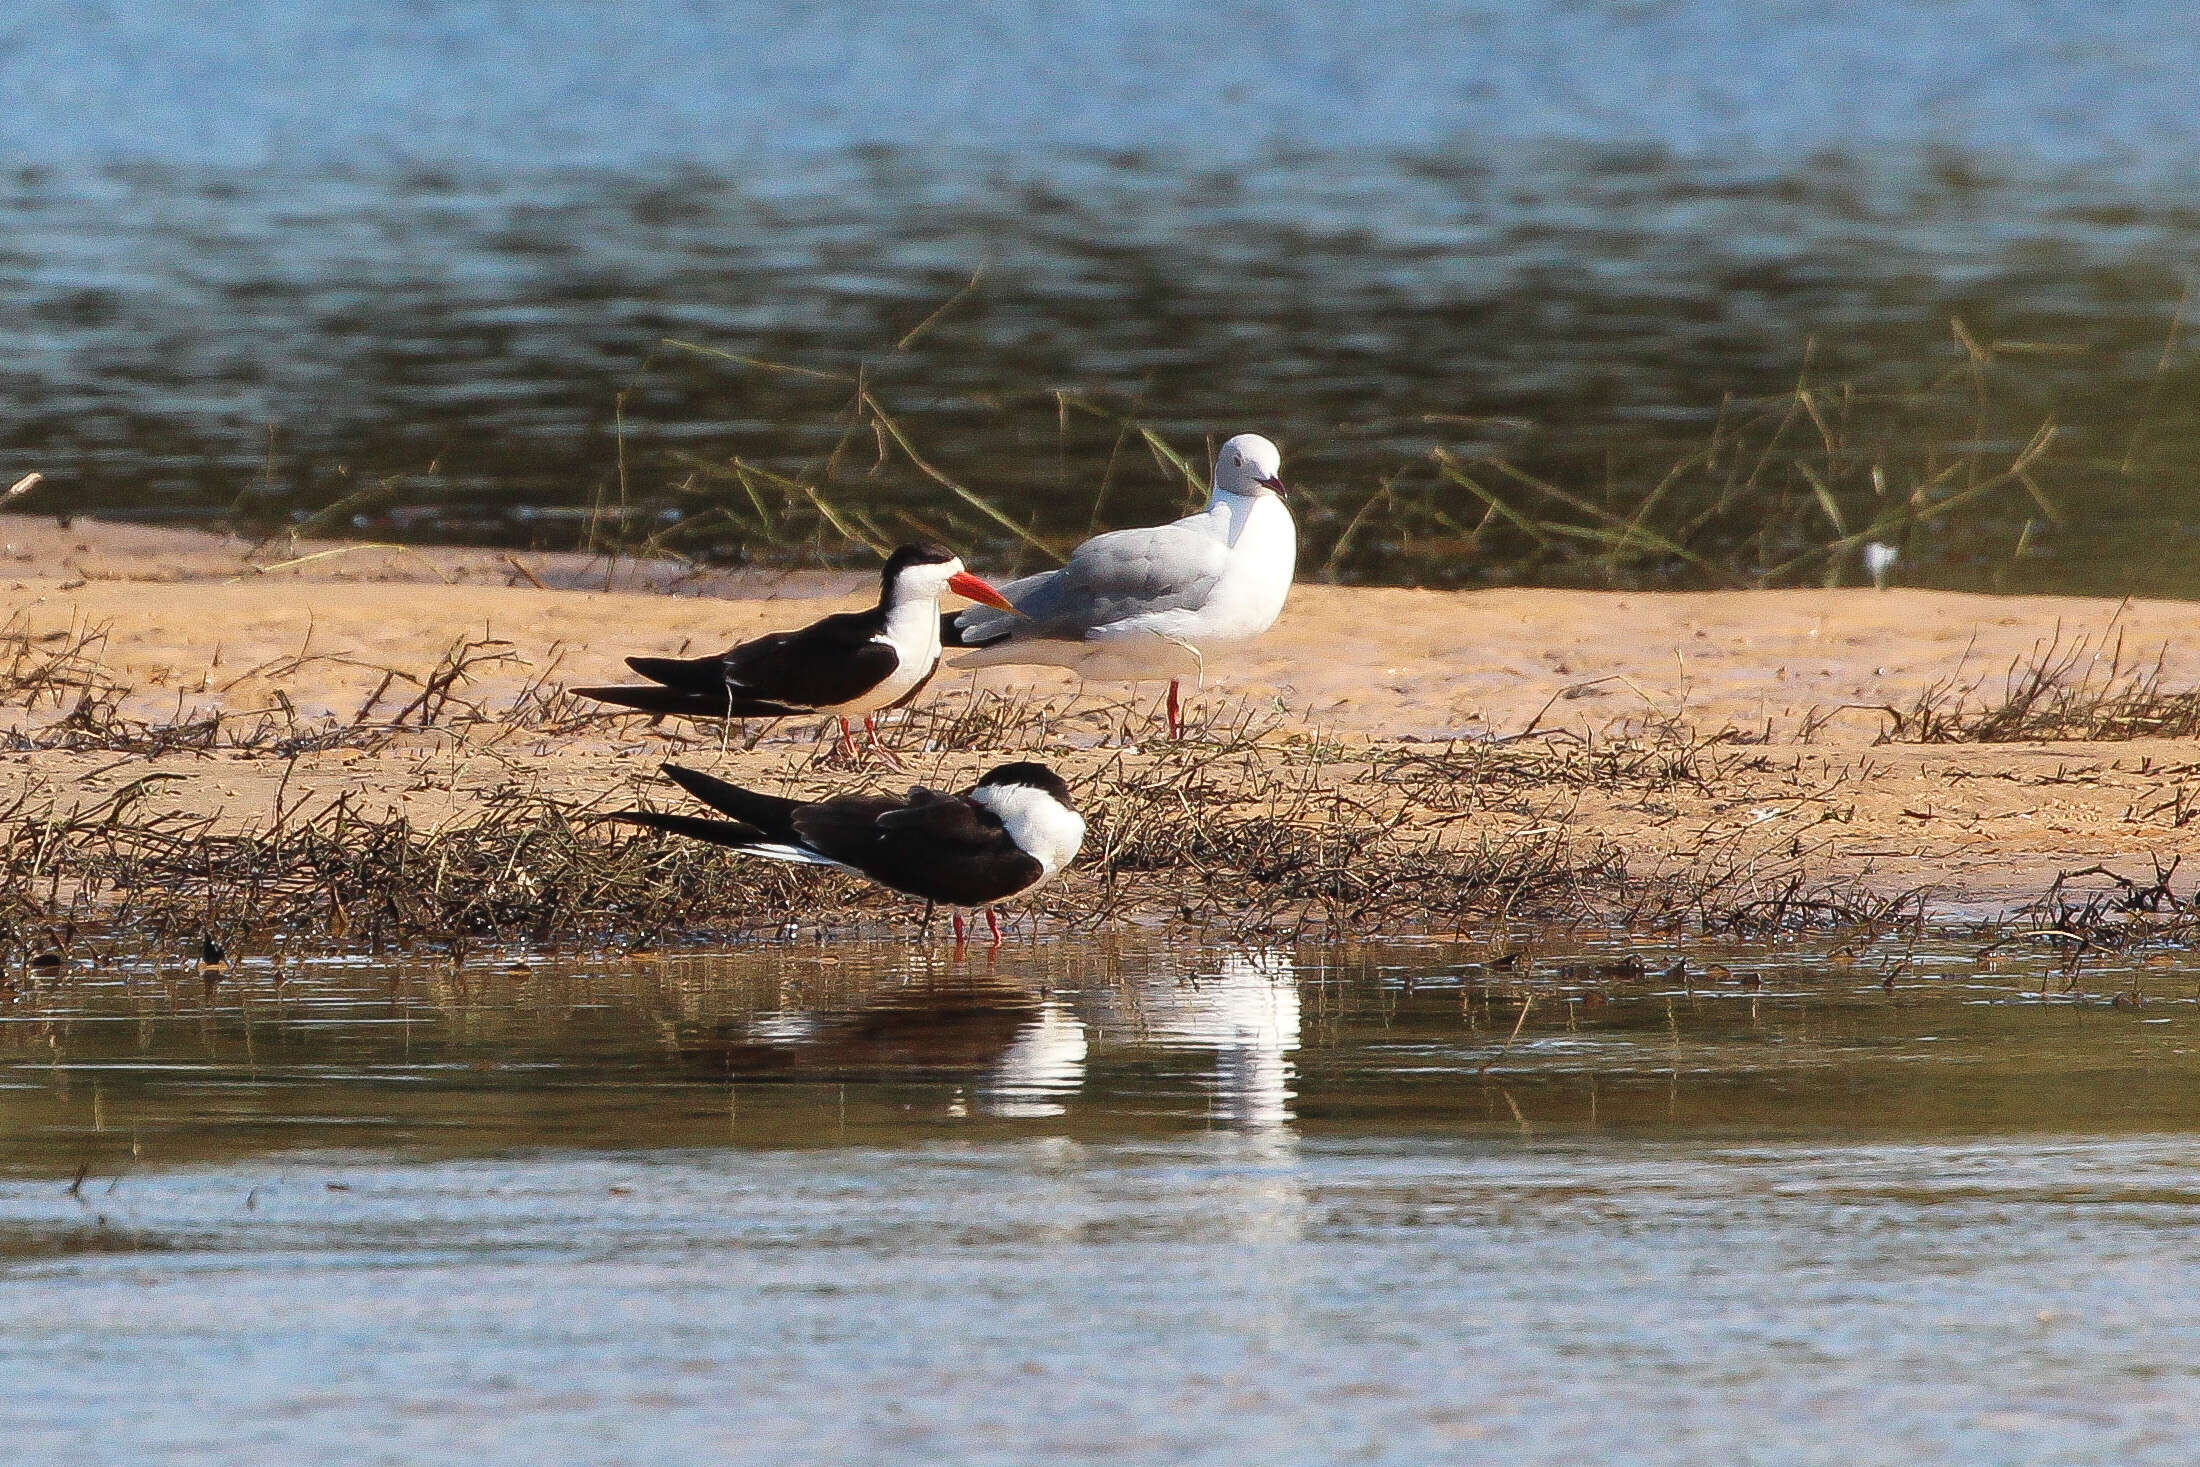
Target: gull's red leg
[960,931]
[992,920]
[1176,715]
[847,739]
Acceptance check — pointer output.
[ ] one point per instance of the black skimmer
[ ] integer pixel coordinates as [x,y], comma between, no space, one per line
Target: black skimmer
[1138,604]
[1010,833]
[850,666]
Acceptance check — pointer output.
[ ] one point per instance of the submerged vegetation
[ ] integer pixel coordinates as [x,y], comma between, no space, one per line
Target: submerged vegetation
[1971,473]
[1994,467]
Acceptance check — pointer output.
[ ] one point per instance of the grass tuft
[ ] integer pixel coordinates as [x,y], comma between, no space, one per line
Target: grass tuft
[2078,689]
[57,693]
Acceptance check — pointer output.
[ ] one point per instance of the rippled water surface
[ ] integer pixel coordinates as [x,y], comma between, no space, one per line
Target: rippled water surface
[419,259]
[1137,1202]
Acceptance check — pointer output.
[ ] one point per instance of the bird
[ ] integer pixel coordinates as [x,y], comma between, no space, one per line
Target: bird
[1133,605]
[850,665]
[1006,836]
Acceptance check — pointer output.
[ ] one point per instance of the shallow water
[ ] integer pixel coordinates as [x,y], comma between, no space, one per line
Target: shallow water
[264,257]
[1103,1202]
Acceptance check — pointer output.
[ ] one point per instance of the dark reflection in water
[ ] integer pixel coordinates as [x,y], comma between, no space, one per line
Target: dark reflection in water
[1100,1203]
[422,284]
[887,1045]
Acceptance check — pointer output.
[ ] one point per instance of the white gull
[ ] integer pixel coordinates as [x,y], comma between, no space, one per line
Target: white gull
[1133,605]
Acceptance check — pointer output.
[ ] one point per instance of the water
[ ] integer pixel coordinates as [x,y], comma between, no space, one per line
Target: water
[407,258]
[1129,1202]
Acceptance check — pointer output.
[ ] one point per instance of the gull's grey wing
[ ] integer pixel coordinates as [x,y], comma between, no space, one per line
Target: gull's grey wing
[1121,574]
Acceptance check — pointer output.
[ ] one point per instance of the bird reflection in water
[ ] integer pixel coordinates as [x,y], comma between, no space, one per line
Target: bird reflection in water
[1045,1064]
[1246,1011]
[1017,1052]
[1022,1053]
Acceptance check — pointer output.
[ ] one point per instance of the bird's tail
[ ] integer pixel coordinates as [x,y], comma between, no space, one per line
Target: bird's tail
[717,832]
[689,674]
[973,627]
[713,703]
[771,816]
[745,838]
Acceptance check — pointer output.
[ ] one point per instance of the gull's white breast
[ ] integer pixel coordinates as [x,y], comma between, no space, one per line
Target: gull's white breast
[1248,597]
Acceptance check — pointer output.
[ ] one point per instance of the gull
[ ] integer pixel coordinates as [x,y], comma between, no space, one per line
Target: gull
[850,665]
[1006,836]
[1133,605]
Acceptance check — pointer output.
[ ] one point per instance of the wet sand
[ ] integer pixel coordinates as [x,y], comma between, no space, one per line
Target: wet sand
[1780,691]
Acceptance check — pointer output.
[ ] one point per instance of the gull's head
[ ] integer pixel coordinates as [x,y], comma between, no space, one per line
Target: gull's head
[1248,466]
[926,573]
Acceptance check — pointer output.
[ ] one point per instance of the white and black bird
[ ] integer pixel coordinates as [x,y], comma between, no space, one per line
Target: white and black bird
[1133,605]
[1007,835]
[851,665]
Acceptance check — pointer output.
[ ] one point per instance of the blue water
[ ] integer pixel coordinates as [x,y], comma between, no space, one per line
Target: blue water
[1220,1299]
[761,89]
[1127,1202]
[262,257]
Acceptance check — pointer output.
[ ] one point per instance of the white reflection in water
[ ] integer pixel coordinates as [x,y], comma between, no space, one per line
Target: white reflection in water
[787,1026]
[1043,1067]
[1247,1012]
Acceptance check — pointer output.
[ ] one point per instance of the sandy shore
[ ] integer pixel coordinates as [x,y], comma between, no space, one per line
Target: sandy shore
[1780,694]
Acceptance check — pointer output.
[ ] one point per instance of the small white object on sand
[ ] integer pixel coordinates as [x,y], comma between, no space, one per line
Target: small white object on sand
[1879,559]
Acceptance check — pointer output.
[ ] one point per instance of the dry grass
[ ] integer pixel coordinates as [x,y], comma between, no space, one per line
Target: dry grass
[56,692]
[528,869]
[2082,915]
[1254,834]
[1287,837]
[1246,825]
[2102,917]
[2080,689]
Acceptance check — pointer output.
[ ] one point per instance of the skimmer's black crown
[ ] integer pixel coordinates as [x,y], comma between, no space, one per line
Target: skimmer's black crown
[1032,775]
[913,555]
